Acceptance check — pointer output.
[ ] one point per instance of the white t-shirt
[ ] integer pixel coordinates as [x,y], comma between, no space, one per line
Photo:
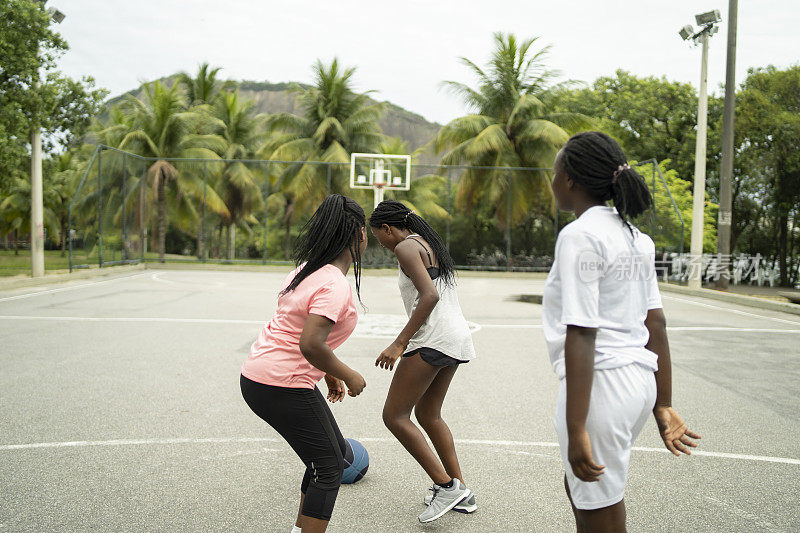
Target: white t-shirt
[602,277]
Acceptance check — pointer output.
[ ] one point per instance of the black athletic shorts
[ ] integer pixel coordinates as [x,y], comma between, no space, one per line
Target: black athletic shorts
[434,357]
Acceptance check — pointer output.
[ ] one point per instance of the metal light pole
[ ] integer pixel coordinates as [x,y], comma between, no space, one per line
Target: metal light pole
[725,219]
[37,203]
[708,21]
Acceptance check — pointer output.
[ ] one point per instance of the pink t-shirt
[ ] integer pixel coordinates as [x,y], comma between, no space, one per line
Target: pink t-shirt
[275,357]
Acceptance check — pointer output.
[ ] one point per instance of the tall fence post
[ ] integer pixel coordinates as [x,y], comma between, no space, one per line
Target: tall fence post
[72,203]
[449,189]
[328,190]
[203,242]
[508,220]
[653,204]
[69,235]
[266,211]
[555,221]
[124,211]
[100,209]
[143,210]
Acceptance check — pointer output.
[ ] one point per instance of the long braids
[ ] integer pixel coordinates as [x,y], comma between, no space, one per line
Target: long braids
[597,163]
[396,214]
[335,226]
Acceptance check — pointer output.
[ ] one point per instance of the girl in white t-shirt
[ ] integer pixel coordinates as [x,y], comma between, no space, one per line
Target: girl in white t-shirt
[605,330]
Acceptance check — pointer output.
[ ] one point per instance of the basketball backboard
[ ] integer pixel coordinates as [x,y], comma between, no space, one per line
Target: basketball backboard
[380,171]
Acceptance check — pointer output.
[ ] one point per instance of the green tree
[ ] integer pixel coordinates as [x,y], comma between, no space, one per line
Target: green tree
[27,46]
[15,210]
[429,192]
[768,124]
[513,125]
[204,87]
[60,182]
[335,121]
[238,186]
[33,95]
[667,222]
[162,127]
[650,117]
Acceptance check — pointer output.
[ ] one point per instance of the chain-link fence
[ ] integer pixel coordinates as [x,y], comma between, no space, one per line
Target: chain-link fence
[130,208]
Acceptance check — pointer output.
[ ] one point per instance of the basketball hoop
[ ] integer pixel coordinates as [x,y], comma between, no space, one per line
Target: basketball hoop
[380,172]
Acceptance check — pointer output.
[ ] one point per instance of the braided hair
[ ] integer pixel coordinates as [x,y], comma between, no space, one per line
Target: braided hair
[597,163]
[396,214]
[335,226]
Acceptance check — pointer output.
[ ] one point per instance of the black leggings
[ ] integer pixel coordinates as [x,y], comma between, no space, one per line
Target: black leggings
[302,417]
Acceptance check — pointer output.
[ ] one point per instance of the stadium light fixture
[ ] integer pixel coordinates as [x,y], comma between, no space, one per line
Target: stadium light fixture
[708,27]
[707,18]
[56,15]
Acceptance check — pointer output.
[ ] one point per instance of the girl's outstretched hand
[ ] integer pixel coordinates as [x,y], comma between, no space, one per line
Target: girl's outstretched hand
[389,356]
[335,388]
[674,433]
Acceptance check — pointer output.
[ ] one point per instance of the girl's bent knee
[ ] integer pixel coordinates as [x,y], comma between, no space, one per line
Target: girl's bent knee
[391,417]
[427,418]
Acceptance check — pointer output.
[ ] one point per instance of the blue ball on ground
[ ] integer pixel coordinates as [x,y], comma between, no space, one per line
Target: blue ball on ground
[356,461]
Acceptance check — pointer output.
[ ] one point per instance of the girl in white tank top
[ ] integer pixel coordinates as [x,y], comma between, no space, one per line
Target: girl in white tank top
[430,348]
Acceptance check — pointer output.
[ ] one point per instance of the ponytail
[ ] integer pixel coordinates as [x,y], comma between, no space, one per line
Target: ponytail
[335,226]
[396,214]
[596,162]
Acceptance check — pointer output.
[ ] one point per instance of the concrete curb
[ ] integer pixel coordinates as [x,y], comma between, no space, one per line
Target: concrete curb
[740,299]
[62,277]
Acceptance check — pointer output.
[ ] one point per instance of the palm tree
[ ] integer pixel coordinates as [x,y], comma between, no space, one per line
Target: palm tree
[238,186]
[511,126]
[61,188]
[15,210]
[204,88]
[162,127]
[335,122]
[426,195]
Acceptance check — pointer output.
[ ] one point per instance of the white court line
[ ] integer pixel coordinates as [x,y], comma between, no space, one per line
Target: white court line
[737,311]
[206,284]
[132,319]
[70,288]
[512,326]
[356,335]
[157,277]
[725,328]
[478,442]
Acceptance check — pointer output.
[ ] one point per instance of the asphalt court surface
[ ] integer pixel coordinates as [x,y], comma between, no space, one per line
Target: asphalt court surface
[120,410]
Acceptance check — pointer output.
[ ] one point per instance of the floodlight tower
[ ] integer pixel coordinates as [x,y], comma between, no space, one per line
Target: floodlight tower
[708,26]
[37,204]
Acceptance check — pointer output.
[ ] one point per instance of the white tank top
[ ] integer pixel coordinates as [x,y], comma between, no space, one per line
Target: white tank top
[446,329]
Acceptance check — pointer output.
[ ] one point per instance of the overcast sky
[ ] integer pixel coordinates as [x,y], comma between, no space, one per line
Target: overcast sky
[404,49]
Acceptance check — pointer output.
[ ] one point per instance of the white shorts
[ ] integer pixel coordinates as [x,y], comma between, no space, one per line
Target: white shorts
[622,400]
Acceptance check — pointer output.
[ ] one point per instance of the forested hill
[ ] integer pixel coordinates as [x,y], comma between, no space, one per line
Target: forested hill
[276,98]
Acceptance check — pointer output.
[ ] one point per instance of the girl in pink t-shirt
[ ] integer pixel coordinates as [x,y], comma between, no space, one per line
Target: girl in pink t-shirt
[294,351]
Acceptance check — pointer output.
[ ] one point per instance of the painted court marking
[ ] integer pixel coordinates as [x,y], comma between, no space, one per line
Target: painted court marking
[70,288]
[736,311]
[477,442]
[364,330]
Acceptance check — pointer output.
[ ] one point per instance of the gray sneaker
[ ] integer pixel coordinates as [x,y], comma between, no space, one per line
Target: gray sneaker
[442,500]
[466,506]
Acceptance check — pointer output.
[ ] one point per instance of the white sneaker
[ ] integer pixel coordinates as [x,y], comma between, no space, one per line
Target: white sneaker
[466,506]
[442,500]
